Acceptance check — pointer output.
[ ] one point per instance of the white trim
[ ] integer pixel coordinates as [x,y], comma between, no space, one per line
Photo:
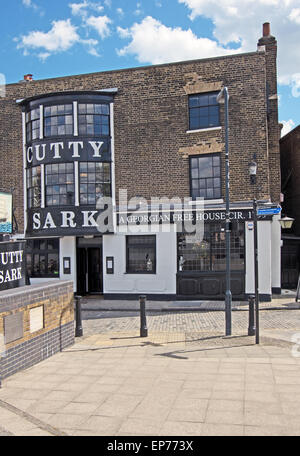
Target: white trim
[76,183]
[204,129]
[75,118]
[113,177]
[206,202]
[41,121]
[110,90]
[24,170]
[42,186]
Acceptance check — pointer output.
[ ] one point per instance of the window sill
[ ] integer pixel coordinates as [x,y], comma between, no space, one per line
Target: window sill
[205,201]
[204,129]
[140,273]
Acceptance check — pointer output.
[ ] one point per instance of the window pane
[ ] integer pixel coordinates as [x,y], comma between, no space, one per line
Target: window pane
[204,177]
[213,121]
[53,263]
[141,254]
[194,123]
[63,190]
[92,183]
[210,253]
[203,111]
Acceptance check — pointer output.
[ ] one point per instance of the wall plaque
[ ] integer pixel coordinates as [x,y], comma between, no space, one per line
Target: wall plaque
[13,327]
[36,318]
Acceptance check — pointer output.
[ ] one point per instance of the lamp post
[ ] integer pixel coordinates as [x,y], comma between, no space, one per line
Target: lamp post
[252,172]
[223,97]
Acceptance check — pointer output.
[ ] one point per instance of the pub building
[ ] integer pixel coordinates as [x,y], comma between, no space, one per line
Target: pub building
[151,133]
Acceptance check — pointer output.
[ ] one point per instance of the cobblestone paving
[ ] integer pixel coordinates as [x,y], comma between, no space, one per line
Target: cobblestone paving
[188,322]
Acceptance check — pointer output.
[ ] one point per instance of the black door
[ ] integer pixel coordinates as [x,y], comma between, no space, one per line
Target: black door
[89,270]
[94,270]
[81,271]
[290,256]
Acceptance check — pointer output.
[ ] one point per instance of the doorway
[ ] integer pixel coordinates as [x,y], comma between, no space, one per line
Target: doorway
[89,266]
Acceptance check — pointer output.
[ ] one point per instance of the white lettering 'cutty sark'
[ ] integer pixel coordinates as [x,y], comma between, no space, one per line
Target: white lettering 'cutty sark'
[53,151]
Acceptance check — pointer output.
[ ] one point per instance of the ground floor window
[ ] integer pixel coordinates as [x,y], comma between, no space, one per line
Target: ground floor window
[42,257]
[141,254]
[208,252]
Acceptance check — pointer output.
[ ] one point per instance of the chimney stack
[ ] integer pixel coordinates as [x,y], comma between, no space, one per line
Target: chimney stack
[28,77]
[266,29]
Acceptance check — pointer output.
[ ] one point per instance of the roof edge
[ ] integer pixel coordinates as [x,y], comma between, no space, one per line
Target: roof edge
[144,67]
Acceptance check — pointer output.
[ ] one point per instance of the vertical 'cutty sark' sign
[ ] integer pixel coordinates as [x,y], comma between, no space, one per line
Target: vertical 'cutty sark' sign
[12,265]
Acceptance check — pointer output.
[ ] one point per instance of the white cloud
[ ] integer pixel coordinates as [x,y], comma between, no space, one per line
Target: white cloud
[61,37]
[120,12]
[123,33]
[30,4]
[153,42]
[138,10]
[100,24]
[288,125]
[43,56]
[79,9]
[293,81]
[295,15]
[241,22]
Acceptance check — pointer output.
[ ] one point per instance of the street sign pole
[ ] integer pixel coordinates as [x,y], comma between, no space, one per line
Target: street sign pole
[256,272]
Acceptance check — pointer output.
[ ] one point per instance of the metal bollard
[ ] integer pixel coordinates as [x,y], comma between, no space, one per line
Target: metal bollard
[251,327]
[78,329]
[143,329]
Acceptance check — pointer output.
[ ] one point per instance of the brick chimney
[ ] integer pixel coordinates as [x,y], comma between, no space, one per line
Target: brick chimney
[266,29]
[28,77]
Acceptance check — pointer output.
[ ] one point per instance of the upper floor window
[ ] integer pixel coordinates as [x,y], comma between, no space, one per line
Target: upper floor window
[60,184]
[32,124]
[58,120]
[203,111]
[93,119]
[205,176]
[94,181]
[34,187]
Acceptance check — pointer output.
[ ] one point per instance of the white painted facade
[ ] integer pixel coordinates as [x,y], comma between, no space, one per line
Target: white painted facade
[162,282]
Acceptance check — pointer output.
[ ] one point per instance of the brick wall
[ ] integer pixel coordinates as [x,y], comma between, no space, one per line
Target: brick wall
[151,121]
[290,169]
[36,321]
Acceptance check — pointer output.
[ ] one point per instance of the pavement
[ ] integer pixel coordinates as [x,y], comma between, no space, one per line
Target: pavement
[184,379]
[285,300]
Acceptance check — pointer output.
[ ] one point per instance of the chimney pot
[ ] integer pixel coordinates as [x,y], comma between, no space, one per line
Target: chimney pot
[266,29]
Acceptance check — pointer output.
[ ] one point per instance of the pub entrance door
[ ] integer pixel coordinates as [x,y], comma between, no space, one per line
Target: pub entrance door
[89,266]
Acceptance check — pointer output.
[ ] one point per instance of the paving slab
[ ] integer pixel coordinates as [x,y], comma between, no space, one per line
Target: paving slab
[176,381]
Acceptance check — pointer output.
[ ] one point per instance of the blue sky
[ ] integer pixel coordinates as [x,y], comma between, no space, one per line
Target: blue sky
[65,37]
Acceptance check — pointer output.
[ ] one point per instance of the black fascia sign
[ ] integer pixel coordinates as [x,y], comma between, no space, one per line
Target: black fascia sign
[12,265]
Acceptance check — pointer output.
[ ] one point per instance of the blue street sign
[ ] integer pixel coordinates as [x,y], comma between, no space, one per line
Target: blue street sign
[269,211]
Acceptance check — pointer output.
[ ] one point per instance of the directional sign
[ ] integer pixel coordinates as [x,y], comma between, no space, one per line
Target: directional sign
[269,211]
